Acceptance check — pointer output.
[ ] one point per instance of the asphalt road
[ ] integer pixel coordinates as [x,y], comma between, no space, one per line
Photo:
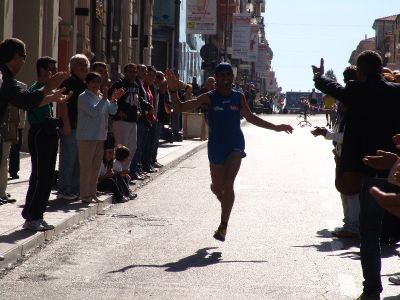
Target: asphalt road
[160,246]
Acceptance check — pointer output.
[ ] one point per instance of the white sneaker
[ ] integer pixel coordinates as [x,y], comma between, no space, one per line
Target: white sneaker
[37,225]
[395,279]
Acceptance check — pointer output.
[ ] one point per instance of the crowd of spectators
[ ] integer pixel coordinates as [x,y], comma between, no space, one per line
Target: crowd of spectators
[106,133]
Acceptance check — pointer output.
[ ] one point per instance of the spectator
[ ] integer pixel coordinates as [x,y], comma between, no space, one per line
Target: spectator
[14,158]
[329,108]
[93,111]
[188,92]
[9,132]
[158,125]
[159,78]
[209,85]
[68,183]
[125,120]
[237,87]
[350,203]
[12,58]
[143,125]
[164,112]
[109,181]
[370,126]
[152,97]
[389,201]
[122,154]
[43,145]
[312,98]
[101,68]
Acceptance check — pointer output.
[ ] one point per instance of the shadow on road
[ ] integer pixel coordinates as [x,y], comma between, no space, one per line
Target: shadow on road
[392,297]
[345,247]
[15,236]
[202,258]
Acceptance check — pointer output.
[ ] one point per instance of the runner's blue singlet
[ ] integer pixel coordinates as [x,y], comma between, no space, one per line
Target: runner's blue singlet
[224,135]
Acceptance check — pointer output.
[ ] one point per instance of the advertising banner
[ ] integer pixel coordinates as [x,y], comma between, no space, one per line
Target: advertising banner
[240,36]
[253,51]
[201,17]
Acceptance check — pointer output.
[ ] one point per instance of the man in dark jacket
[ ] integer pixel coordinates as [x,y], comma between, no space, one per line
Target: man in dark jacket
[372,120]
[126,118]
[12,58]
[143,125]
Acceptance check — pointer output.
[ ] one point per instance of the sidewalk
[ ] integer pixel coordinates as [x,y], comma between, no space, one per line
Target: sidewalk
[16,242]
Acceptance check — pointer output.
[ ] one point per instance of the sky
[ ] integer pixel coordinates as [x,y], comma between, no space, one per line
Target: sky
[301,32]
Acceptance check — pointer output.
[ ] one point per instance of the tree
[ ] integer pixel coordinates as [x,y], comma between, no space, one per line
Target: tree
[330,74]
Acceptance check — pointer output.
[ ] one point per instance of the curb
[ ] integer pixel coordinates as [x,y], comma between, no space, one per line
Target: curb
[12,253]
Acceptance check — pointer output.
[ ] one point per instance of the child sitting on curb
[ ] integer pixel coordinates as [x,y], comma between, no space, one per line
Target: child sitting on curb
[112,181]
[121,156]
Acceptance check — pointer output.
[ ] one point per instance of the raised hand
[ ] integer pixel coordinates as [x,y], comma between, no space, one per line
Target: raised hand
[55,81]
[105,92]
[172,81]
[320,70]
[57,96]
[381,161]
[117,93]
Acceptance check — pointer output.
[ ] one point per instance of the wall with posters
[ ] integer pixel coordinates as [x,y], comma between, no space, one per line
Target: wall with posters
[201,16]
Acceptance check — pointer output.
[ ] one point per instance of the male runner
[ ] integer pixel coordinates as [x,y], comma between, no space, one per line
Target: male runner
[224,107]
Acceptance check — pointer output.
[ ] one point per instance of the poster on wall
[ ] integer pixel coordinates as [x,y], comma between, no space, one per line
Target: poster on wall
[240,36]
[253,43]
[201,17]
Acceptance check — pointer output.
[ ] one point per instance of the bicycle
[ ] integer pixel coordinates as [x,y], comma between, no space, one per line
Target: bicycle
[306,113]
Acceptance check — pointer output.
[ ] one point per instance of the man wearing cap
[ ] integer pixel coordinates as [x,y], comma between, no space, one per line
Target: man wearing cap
[226,145]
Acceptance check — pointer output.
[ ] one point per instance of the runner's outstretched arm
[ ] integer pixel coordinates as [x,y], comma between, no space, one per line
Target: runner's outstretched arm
[253,119]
